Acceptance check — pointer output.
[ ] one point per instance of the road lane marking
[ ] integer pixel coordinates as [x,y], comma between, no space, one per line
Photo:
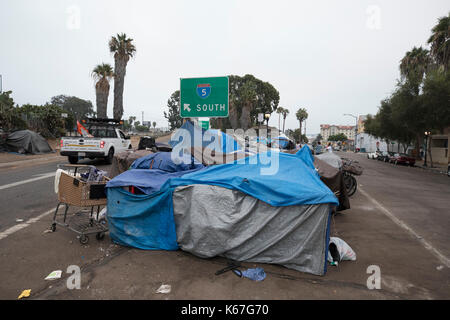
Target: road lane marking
[20,226]
[404,226]
[38,177]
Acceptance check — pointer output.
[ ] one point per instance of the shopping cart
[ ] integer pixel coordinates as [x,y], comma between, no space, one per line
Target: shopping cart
[81,186]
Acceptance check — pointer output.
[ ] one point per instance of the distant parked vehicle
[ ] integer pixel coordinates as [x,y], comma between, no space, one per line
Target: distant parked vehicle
[402,158]
[384,156]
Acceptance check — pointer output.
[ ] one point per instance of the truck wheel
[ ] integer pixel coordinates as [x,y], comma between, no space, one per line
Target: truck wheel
[73,160]
[110,156]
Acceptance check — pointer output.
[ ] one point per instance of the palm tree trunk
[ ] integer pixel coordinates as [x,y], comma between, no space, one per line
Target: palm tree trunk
[301,140]
[102,93]
[119,79]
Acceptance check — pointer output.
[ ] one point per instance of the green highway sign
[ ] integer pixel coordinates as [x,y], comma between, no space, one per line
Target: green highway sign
[204,97]
[203,124]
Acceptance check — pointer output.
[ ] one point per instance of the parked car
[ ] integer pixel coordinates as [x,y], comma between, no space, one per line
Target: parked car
[402,158]
[374,155]
[384,156]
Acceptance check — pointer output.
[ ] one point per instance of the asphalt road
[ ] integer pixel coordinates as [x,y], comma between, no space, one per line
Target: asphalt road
[399,221]
[420,198]
[24,199]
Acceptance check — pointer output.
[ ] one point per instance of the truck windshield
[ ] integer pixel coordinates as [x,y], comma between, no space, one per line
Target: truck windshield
[102,131]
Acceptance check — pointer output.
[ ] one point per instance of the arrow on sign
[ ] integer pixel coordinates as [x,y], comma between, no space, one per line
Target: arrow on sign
[186,107]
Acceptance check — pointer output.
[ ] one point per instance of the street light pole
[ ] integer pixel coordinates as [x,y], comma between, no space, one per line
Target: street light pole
[427,133]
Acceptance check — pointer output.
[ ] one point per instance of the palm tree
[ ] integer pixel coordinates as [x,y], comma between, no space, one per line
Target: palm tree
[279,111]
[285,113]
[440,42]
[301,115]
[123,49]
[414,65]
[102,73]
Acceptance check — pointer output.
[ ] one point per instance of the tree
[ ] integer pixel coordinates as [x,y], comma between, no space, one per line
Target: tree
[154,124]
[440,42]
[78,108]
[414,65]
[301,115]
[131,119]
[338,137]
[298,136]
[173,115]
[248,97]
[123,49]
[9,115]
[102,74]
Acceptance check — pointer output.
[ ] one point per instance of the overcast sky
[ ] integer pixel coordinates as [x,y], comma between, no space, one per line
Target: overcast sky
[330,57]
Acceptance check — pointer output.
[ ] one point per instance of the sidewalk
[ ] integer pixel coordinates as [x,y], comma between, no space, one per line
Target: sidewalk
[437,167]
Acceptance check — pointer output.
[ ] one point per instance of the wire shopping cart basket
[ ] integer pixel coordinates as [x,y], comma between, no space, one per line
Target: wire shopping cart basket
[81,186]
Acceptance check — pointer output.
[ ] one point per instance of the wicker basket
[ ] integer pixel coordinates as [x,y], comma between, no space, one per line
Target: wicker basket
[76,192]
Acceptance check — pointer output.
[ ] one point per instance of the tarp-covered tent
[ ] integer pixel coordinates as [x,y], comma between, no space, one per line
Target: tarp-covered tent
[232,210]
[27,141]
[283,142]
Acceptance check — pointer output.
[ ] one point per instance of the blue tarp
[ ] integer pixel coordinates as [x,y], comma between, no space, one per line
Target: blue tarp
[283,142]
[212,138]
[164,162]
[146,221]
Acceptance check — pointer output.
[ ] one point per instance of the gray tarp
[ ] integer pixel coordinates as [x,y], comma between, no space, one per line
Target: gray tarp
[214,221]
[27,141]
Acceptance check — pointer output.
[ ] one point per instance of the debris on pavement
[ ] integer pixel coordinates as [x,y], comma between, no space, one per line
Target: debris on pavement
[255,274]
[54,275]
[24,294]
[19,220]
[165,288]
[339,250]
[439,268]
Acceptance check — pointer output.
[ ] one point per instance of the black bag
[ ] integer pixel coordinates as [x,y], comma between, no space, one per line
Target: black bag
[146,142]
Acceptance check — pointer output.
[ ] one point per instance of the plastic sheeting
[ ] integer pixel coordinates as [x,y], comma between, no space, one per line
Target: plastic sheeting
[163,161]
[27,141]
[332,159]
[213,221]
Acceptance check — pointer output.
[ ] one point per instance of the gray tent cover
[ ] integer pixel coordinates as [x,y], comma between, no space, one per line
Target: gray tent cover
[27,141]
[214,221]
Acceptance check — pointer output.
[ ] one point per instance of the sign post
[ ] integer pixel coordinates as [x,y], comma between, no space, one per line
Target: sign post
[204,97]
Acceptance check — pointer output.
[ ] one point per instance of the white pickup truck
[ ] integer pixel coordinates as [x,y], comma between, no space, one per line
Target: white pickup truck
[106,141]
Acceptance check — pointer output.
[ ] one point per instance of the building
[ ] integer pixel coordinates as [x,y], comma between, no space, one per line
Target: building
[327,130]
[439,147]
[361,122]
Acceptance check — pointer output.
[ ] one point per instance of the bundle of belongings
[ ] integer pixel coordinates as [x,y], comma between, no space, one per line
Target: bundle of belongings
[328,167]
[123,160]
[26,142]
[268,207]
